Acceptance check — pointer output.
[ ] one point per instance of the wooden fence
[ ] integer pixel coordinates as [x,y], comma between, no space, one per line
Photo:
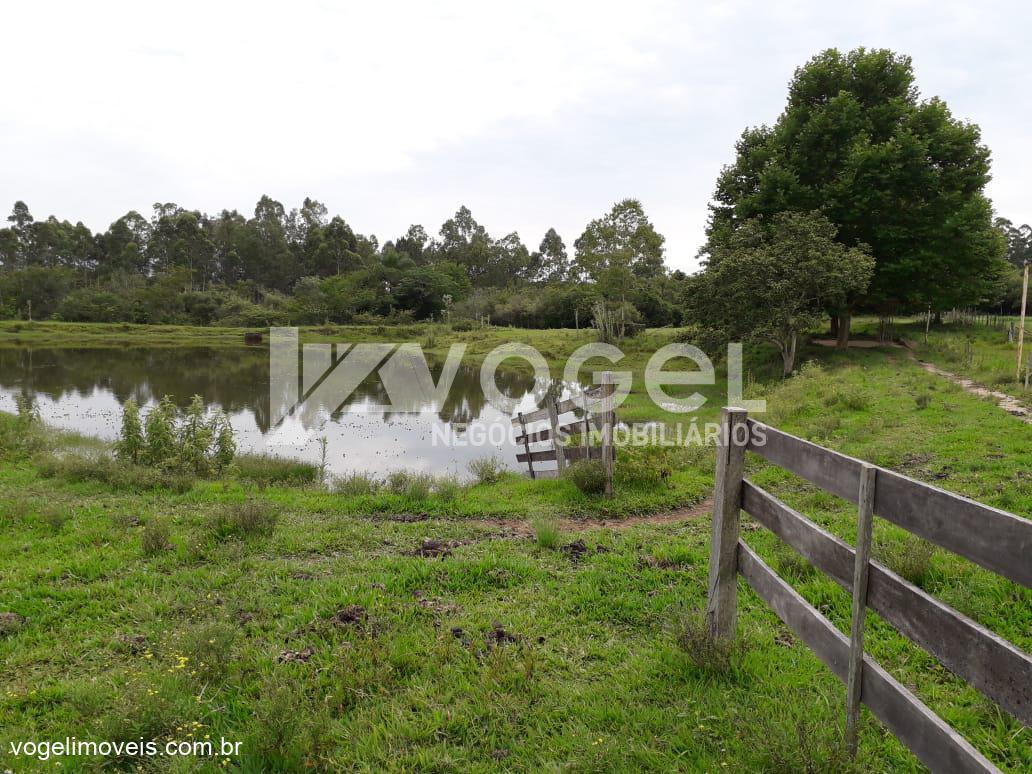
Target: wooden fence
[996,540]
[556,432]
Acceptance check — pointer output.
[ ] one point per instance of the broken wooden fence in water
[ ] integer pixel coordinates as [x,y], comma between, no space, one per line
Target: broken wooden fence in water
[602,418]
[996,540]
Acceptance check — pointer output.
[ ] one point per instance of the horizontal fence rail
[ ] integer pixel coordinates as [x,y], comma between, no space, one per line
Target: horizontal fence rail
[986,661]
[996,540]
[603,420]
[926,735]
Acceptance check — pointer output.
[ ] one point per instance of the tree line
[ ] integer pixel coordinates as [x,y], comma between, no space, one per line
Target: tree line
[861,198]
[303,266]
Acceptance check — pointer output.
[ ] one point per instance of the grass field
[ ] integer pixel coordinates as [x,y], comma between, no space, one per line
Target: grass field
[462,631]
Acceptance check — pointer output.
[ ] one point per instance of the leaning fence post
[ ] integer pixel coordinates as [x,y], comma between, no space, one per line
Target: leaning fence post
[608,418]
[721,604]
[553,421]
[864,517]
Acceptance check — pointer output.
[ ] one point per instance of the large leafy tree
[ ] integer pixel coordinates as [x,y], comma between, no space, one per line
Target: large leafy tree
[771,280]
[622,238]
[890,170]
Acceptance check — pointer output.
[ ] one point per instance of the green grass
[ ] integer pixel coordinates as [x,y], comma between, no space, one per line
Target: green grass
[495,651]
[976,351]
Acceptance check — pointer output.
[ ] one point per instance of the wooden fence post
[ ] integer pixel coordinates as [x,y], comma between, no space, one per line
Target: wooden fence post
[861,565]
[721,604]
[553,421]
[526,445]
[1021,323]
[608,416]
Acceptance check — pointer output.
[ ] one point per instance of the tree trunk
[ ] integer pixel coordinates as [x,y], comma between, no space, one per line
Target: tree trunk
[834,326]
[938,317]
[788,352]
[844,320]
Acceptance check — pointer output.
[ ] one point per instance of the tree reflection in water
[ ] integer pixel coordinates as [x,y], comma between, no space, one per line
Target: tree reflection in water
[82,389]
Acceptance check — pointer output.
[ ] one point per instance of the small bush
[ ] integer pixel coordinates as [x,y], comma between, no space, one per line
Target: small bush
[642,466]
[245,519]
[910,558]
[193,443]
[76,467]
[462,326]
[129,446]
[154,539]
[546,532]
[923,401]
[798,741]
[852,398]
[356,485]
[55,517]
[447,488]
[274,471]
[210,650]
[588,476]
[409,484]
[487,470]
[691,633]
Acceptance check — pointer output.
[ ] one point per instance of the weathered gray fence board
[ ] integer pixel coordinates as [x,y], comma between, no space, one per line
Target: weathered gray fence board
[570,404]
[571,428]
[721,598]
[572,453]
[988,662]
[995,539]
[929,737]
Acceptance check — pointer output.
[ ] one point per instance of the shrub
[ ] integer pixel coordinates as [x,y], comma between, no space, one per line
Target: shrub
[75,467]
[462,326]
[55,517]
[487,470]
[447,488]
[160,437]
[588,476]
[196,443]
[25,434]
[799,739]
[415,485]
[643,466]
[691,633]
[154,538]
[129,446]
[245,519]
[923,401]
[356,485]
[210,650]
[910,558]
[546,532]
[852,398]
[268,471]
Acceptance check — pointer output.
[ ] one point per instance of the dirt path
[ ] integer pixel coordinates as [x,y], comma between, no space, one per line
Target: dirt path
[523,528]
[1008,403]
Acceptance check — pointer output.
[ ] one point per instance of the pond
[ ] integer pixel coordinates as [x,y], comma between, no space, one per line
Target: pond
[84,389]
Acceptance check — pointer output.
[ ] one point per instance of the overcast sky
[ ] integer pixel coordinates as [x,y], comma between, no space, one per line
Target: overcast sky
[533,114]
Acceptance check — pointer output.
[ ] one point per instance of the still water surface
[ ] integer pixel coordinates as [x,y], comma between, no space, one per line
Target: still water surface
[84,389]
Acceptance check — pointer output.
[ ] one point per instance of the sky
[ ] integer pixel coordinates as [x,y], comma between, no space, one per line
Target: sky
[532,114]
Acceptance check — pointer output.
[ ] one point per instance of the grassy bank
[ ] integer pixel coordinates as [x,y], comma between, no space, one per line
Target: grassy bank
[328,631]
[976,351]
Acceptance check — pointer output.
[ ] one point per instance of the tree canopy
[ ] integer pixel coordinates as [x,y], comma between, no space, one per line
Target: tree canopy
[772,279]
[888,169]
